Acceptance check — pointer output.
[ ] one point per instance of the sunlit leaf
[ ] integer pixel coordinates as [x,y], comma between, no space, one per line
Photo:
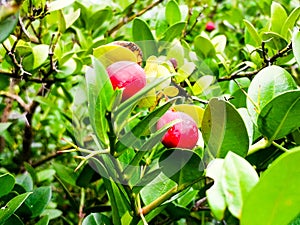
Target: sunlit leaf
[278,17]
[277,193]
[280,116]
[173,14]
[224,130]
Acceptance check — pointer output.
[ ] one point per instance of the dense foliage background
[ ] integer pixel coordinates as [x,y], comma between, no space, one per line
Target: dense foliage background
[72,153]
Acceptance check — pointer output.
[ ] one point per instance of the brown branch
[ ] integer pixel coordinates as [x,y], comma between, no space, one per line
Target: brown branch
[127,20]
[268,61]
[17,98]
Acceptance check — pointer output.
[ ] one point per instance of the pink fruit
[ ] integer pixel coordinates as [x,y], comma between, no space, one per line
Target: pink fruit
[210,26]
[183,134]
[127,75]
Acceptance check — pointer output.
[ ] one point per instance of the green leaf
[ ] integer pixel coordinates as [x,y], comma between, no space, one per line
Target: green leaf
[59,4]
[7,26]
[215,194]
[65,173]
[100,91]
[224,130]
[172,11]
[97,19]
[143,37]
[159,186]
[4,126]
[12,206]
[14,219]
[274,40]
[173,32]
[182,166]
[25,181]
[278,17]
[71,18]
[290,23]
[44,221]
[277,193]
[280,116]
[204,47]
[40,55]
[7,182]
[296,46]
[238,179]
[96,219]
[38,200]
[194,111]
[255,38]
[267,84]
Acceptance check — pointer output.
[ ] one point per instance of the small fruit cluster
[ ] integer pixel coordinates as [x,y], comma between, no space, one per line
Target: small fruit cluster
[131,77]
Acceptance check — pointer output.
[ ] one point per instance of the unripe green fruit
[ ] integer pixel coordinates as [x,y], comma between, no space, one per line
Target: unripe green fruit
[127,75]
[183,134]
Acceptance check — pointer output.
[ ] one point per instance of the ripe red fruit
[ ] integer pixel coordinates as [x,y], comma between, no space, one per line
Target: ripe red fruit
[183,134]
[127,75]
[210,26]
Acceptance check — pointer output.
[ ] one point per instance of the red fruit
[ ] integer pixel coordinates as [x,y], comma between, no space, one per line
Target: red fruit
[210,26]
[127,75]
[183,134]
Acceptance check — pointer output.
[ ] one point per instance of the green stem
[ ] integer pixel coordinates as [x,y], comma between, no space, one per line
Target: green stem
[145,210]
[279,146]
[82,200]
[261,144]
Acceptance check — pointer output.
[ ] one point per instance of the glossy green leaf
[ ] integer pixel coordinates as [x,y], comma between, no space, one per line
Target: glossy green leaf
[182,166]
[290,23]
[4,126]
[224,130]
[296,46]
[40,55]
[219,42]
[215,194]
[267,84]
[173,32]
[143,37]
[7,182]
[59,4]
[255,38]
[38,200]
[274,40]
[96,219]
[238,179]
[277,193]
[278,17]
[159,186]
[71,18]
[65,173]
[172,11]
[97,19]
[12,206]
[100,92]
[7,26]
[204,47]
[280,116]
[14,219]
[25,181]
[43,221]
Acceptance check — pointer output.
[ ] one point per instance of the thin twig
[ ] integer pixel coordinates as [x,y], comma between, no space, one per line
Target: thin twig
[16,98]
[125,21]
